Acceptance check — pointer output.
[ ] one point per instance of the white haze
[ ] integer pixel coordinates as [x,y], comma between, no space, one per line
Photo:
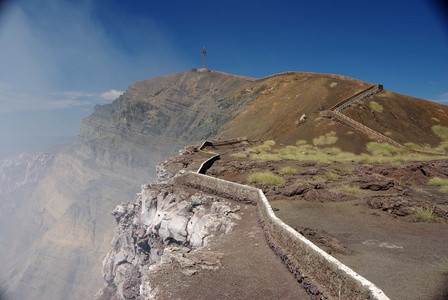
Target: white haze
[58,60]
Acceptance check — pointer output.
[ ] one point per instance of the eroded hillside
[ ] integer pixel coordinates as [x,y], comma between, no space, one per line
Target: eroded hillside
[280,102]
[57,224]
[60,222]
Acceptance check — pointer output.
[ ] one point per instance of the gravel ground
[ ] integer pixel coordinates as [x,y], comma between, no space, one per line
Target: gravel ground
[247,269]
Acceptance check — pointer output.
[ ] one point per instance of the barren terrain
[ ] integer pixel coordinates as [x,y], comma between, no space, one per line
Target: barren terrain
[238,265]
[372,228]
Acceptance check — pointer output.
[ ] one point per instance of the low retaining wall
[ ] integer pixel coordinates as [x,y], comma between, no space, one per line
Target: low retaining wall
[331,276]
[208,164]
[360,96]
[222,142]
[343,119]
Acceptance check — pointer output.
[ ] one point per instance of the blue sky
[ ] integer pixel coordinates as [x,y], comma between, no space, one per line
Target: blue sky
[58,58]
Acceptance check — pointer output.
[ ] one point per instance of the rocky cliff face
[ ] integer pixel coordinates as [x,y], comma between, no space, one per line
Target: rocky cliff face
[57,226]
[159,117]
[19,179]
[163,220]
[55,208]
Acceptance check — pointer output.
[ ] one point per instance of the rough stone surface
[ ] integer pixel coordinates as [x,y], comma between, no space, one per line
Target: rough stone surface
[164,225]
[61,210]
[59,203]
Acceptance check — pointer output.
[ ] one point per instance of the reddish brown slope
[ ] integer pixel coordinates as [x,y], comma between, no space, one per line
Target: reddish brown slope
[403,118]
[280,101]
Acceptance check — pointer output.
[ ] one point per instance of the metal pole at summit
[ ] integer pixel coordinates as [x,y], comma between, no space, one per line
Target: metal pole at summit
[204,52]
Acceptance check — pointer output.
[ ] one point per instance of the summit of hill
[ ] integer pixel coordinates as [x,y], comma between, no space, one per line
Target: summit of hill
[54,208]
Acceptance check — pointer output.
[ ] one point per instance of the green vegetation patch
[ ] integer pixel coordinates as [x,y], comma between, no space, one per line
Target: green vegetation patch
[342,169]
[239,155]
[385,94]
[383,149]
[425,214]
[438,182]
[288,171]
[441,183]
[267,145]
[442,148]
[265,178]
[332,176]
[411,145]
[437,121]
[444,189]
[378,153]
[440,131]
[376,106]
[347,189]
[325,140]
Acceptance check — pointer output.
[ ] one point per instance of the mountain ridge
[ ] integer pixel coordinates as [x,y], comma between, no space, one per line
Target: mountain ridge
[119,146]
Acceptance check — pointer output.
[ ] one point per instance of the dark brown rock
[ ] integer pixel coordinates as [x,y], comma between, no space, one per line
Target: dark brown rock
[296,189]
[378,185]
[399,206]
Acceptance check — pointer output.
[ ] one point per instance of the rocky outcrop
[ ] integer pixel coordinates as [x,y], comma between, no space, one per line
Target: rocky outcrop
[164,225]
[57,228]
[20,174]
[59,207]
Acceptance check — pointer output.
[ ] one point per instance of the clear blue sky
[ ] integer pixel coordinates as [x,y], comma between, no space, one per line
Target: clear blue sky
[58,58]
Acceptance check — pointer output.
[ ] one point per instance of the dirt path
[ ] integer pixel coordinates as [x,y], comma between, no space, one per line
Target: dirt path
[248,269]
[398,256]
[373,232]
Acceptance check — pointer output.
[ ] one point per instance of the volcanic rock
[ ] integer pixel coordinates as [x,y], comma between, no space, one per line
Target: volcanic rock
[164,225]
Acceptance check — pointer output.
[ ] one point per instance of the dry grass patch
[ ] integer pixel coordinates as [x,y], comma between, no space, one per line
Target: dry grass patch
[265,156]
[379,153]
[440,131]
[342,169]
[325,140]
[385,94]
[415,146]
[379,149]
[332,176]
[347,189]
[443,147]
[318,179]
[265,178]
[288,171]
[376,106]
[437,121]
[425,214]
[301,142]
[438,182]
[441,183]
[267,145]
[238,155]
